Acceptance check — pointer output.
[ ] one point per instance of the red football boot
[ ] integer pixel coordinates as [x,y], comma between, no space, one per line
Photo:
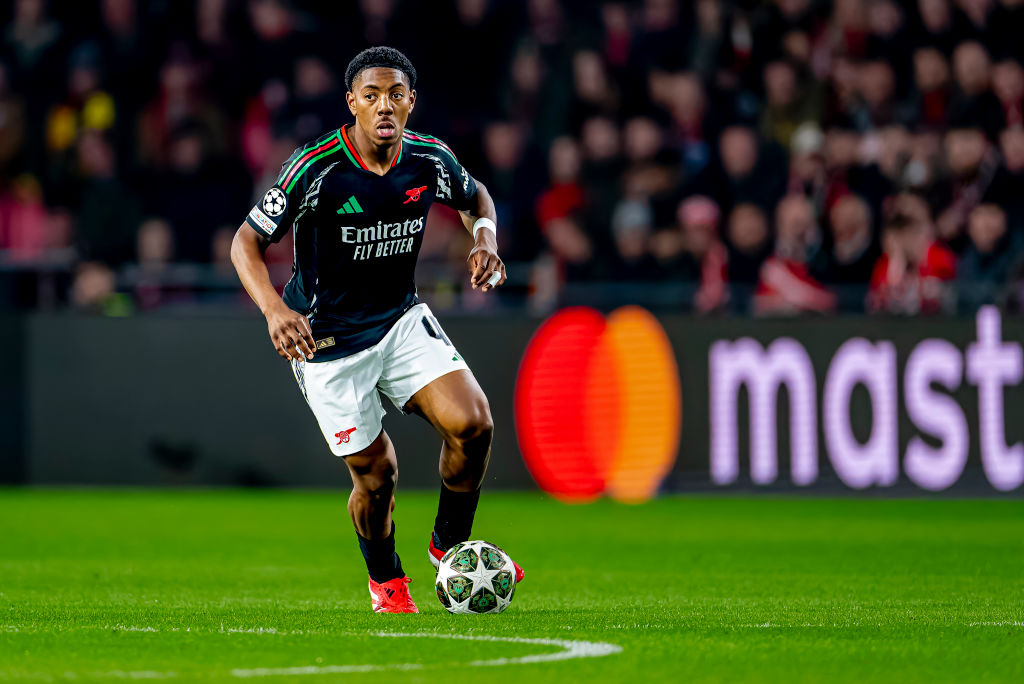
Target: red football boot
[435,554]
[392,596]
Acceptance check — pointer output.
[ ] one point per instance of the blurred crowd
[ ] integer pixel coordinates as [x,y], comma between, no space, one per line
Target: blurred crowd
[773,156]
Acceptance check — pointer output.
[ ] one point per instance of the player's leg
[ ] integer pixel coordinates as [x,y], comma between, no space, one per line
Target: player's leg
[374,472]
[457,408]
[424,374]
[343,396]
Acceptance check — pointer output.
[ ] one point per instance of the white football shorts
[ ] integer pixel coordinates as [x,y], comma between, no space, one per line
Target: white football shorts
[343,393]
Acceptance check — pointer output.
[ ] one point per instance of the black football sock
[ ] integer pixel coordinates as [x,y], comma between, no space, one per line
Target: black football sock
[454,521]
[382,562]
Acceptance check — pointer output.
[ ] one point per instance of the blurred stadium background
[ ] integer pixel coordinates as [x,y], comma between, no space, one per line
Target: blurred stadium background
[805,212]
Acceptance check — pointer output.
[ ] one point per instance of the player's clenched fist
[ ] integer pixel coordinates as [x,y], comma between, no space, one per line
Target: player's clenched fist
[486,270]
[290,332]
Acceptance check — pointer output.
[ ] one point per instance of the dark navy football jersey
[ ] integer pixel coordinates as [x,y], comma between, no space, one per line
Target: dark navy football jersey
[357,234]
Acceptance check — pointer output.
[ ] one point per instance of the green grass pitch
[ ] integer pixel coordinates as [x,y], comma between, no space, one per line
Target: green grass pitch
[214,586]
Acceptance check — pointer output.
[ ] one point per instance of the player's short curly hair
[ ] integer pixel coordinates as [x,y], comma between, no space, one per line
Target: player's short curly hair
[380,56]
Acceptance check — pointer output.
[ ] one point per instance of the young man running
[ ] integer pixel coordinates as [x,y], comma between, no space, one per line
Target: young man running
[350,322]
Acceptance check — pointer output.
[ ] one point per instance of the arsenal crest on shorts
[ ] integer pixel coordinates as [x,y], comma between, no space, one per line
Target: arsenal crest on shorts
[274,202]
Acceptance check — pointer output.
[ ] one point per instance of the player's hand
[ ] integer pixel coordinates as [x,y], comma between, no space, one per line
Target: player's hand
[484,262]
[291,333]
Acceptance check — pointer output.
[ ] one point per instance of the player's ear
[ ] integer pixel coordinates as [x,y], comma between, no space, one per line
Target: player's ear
[412,100]
[350,98]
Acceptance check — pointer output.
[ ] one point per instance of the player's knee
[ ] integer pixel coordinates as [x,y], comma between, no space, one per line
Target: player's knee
[382,487]
[474,430]
[376,488]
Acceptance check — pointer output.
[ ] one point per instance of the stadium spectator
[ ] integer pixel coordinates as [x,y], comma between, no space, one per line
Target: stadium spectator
[788,103]
[508,175]
[807,173]
[631,229]
[617,35]
[847,29]
[682,96]
[23,221]
[876,90]
[889,34]
[560,210]
[601,172]
[94,288]
[12,124]
[1008,85]
[785,285]
[922,167]
[660,27]
[523,101]
[593,94]
[1005,189]
[564,196]
[972,166]
[108,211]
[911,275]
[936,24]
[35,41]
[974,103]
[276,40]
[748,247]
[643,140]
[749,175]
[699,252]
[992,257]
[708,39]
[154,253]
[930,96]
[892,152]
[846,263]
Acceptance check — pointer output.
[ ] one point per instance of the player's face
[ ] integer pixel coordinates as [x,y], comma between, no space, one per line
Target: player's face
[381,100]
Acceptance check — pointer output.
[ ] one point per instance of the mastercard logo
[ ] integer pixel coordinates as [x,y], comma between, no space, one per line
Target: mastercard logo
[598,408]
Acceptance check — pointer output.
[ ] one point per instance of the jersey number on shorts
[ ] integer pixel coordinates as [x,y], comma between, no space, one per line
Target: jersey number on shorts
[434,330]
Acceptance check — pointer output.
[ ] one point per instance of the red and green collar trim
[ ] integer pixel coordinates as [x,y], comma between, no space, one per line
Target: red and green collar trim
[353,155]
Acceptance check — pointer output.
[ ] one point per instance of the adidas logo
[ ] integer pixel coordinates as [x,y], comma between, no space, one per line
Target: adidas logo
[351,207]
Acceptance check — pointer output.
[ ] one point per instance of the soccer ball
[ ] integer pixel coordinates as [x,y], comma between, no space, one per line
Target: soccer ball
[475,577]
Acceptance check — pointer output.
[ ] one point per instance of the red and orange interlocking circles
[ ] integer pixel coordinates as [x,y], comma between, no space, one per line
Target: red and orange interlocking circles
[598,405]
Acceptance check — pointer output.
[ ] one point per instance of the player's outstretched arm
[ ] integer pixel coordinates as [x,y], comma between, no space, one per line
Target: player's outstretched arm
[289,330]
[483,259]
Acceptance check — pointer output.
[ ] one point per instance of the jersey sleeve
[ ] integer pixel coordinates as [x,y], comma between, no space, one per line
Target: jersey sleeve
[455,187]
[273,215]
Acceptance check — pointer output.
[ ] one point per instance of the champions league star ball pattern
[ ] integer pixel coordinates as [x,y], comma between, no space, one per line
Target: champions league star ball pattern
[274,202]
[475,577]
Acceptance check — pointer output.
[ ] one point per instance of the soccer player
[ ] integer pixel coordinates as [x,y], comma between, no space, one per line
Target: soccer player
[350,322]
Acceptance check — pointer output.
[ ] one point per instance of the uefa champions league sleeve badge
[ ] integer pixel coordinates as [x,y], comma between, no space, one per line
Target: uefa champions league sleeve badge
[274,202]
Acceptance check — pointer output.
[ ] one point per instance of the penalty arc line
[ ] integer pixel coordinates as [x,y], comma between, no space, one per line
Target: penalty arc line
[570,650]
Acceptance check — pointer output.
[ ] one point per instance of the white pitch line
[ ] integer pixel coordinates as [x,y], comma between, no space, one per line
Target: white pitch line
[137,674]
[570,650]
[320,669]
